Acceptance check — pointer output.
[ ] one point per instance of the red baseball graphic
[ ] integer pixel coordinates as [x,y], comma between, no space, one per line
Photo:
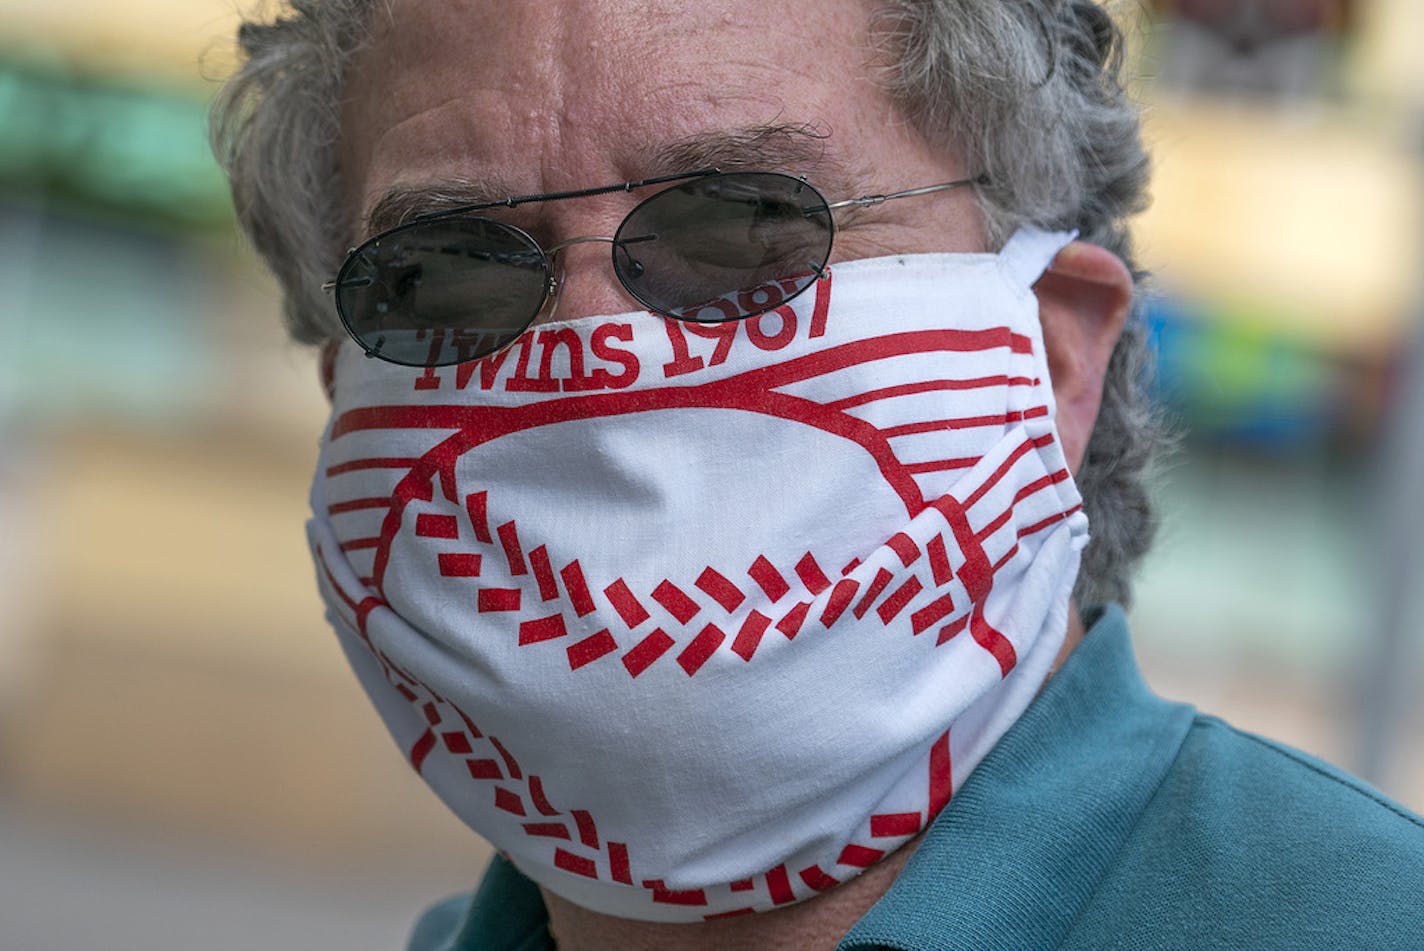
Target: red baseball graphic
[522,583]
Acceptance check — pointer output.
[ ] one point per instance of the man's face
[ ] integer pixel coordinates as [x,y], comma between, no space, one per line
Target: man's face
[528,96]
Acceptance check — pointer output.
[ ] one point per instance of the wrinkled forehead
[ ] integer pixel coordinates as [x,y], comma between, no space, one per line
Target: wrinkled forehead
[539,96]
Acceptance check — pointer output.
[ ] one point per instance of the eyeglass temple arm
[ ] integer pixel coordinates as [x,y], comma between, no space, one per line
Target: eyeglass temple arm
[866,201]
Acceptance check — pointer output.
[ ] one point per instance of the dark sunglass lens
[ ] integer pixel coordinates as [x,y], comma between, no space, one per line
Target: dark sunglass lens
[725,246]
[440,292]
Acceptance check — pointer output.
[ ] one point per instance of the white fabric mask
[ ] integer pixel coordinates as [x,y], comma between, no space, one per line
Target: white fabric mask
[695,620]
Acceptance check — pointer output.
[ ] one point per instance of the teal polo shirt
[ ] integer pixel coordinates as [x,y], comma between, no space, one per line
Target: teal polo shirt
[1106,818]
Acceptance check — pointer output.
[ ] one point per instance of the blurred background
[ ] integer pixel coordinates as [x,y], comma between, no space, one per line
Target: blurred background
[185,760]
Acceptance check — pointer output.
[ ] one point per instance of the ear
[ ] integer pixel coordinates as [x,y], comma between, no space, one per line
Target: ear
[1083,300]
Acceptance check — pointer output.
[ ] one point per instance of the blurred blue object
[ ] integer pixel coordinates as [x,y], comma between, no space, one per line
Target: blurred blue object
[123,149]
[103,322]
[1232,382]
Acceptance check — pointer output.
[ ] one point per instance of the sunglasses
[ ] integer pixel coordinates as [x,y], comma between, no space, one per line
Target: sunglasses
[711,247]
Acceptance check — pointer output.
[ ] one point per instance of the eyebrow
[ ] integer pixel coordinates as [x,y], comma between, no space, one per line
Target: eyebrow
[407,202]
[776,147]
[801,148]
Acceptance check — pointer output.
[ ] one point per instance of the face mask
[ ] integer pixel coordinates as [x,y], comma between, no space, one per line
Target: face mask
[694,620]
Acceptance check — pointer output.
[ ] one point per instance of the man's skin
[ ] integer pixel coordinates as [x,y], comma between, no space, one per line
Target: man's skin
[529,96]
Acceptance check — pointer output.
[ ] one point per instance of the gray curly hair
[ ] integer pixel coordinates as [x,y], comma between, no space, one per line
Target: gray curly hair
[1030,91]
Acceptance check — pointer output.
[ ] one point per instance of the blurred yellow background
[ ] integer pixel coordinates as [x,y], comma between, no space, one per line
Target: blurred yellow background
[186,761]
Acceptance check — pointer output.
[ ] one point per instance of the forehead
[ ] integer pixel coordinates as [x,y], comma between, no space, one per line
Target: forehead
[533,96]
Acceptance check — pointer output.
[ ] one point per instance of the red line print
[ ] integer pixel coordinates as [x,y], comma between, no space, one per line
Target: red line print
[939,562]
[541,629]
[941,776]
[841,596]
[428,525]
[992,641]
[772,584]
[508,801]
[821,311]
[477,506]
[859,856]
[975,572]
[931,614]
[1036,527]
[994,526]
[541,801]
[676,602]
[358,505]
[422,749]
[509,538]
[492,600]
[1005,466]
[664,896]
[966,422]
[817,879]
[891,825]
[552,830]
[469,724]
[358,465]
[648,650]
[425,492]
[544,573]
[949,631]
[577,587]
[575,863]
[811,575]
[778,885]
[941,465]
[591,649]
[697,653]
[360,544]
[509,761]
[905,547]
[618,863]
[629,608]
[716,586]
[1038,485]
[459,565]
[790,625]
[750,635]
[877,586]
[911,389]
[588,831]
[483,769]
[896,603]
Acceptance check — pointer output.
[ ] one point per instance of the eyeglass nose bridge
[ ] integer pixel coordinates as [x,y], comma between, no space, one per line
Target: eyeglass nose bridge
[554,255]
[630,268]
[583,239]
